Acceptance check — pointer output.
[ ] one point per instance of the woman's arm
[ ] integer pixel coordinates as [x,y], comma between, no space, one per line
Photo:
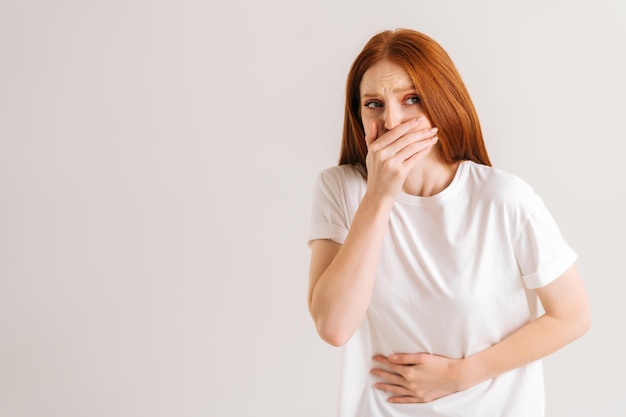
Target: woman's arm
[341,277]
[422,377]
[566,318]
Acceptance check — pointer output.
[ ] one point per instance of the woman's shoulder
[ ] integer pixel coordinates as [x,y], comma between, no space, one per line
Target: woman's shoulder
[341,186]
[497,184]
[342,176]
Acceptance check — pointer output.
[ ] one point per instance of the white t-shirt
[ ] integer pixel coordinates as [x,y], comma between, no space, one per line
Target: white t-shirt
[453,278]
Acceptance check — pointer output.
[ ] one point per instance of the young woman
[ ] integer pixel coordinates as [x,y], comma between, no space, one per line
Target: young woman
[428,264]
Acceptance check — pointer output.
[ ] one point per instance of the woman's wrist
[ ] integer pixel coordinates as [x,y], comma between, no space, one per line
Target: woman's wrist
[379,200]
[470,372]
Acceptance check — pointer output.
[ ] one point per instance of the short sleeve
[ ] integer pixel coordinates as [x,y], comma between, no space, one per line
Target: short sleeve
[329,218]
[541,252]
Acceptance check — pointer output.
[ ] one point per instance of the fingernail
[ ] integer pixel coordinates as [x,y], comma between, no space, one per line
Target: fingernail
[435,139]
[434,130]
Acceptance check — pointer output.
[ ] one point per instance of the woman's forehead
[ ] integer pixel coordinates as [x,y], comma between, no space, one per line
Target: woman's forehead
[385,76]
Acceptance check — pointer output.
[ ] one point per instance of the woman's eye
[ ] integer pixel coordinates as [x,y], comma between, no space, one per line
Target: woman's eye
[373,104]
[413,100]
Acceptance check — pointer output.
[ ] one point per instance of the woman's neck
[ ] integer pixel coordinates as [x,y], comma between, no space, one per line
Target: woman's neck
[429,177]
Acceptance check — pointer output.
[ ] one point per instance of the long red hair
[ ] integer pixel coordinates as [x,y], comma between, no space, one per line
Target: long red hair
[444,97]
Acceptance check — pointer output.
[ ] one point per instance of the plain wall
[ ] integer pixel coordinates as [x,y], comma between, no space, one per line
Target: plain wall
[157,161]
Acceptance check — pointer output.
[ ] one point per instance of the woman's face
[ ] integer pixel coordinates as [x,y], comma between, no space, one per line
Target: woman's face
[388,97]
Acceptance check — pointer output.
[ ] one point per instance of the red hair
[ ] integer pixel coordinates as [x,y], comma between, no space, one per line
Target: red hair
[444,97]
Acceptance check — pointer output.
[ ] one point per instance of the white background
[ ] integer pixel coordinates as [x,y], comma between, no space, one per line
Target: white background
[157,160]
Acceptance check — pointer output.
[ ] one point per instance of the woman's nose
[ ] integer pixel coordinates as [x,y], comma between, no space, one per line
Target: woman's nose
[392,117]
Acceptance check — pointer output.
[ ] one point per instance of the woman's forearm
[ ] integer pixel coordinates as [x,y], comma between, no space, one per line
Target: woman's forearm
[567,318]
[339,298]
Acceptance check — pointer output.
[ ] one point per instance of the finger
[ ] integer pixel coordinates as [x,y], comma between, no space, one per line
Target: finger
[423,136]
[414,150]
[381,359]
[408,147]
[404,399]
[372,134]
[407,358]
[399,131]
[388,377]
[392,389]
[397,368]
